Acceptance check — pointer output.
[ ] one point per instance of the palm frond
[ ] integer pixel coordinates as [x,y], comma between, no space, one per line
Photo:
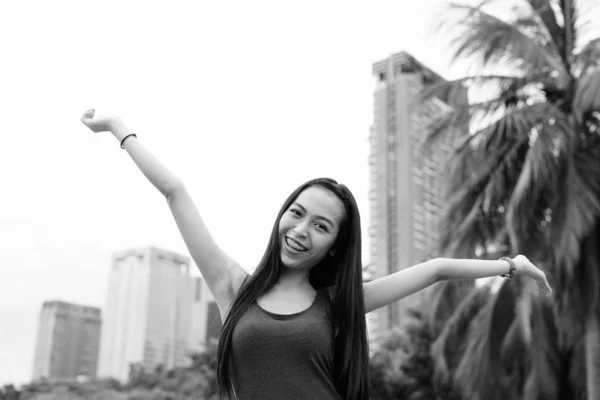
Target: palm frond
[448,346]
[537,186]
[516,358]
[455,121]
[515,123]
[443,301]
[570,15]
[588,57]
[547,369]
[563,34]
[587,26]
[480,366]
[464,226]
[449,125]
[542,9]
[482,180]
[498,83]
[498,94]
[587,93]
[581,285]
[576,213]
[519,335]
[487,40]
[454,124]
[575,376]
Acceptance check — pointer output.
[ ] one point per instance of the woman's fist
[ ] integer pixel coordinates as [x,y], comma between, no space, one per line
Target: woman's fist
[98,123]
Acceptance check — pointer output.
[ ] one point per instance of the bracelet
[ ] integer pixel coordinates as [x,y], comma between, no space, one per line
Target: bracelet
[122,141]
[513,268]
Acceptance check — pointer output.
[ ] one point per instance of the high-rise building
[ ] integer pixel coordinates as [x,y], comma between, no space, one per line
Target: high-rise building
[67,342]
[206,322]
[151,315]
[406,184]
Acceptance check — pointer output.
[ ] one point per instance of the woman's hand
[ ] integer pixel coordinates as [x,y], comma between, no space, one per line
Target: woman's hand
[99,123]
[525,267]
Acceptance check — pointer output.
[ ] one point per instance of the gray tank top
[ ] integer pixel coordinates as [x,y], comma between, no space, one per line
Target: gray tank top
[290,357]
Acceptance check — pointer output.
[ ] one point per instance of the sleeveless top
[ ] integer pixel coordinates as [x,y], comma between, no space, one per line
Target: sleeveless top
[276,356]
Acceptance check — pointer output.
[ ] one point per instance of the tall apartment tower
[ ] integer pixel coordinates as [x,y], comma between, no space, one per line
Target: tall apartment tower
[406,185]
[67,342]
[149,317]
[206,322]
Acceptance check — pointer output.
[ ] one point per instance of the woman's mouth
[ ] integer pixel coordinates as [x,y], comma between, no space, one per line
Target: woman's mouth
[294,245]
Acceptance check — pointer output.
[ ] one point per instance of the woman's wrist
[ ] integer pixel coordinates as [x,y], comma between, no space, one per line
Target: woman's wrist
[522,265]
[512,267]
[118,128]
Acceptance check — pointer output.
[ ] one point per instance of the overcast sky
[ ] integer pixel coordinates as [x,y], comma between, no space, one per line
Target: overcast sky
[243,100]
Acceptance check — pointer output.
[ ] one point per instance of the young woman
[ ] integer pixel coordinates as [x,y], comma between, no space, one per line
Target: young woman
[295,328]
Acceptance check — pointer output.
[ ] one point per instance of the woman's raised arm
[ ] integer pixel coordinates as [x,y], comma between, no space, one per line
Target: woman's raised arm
[222,274]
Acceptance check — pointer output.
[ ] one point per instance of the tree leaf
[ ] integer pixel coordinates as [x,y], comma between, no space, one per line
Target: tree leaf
[488,40]
[587,93]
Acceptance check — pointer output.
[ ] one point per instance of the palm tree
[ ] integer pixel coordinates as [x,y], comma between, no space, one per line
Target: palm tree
[525,178]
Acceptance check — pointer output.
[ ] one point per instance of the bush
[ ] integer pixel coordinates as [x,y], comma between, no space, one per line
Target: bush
[401,366]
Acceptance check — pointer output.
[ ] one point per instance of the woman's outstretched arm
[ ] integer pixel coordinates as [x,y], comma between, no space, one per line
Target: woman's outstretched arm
[388,289]
[223,275]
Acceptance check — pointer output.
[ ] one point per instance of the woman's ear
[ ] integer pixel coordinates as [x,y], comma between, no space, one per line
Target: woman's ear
[332,252]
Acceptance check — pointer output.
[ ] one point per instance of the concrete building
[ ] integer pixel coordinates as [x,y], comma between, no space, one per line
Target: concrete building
[406,184]
[153,312]
[206,322]
[67,341]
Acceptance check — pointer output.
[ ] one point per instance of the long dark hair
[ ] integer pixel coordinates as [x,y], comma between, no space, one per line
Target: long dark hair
[343,271]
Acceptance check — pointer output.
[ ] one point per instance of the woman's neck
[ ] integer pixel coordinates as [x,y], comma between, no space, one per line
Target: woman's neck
[294,279]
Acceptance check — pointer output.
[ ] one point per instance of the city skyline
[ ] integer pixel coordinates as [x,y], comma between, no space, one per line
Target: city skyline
[223,110]
[150,292]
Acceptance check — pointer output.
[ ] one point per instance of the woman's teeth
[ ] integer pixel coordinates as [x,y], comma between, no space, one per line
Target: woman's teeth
[295,245]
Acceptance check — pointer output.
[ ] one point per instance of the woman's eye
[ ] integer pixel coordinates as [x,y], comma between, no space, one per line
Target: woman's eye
[295,212]
[322,227]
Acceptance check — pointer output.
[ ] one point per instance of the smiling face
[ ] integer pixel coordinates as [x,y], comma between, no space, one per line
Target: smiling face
[309,227]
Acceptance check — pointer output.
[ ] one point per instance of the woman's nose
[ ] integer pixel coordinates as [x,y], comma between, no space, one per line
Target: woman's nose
[301,228]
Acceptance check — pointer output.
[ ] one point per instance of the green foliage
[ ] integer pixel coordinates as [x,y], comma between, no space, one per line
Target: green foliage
[9,392]
[194,382]
[70,389]
[402,368]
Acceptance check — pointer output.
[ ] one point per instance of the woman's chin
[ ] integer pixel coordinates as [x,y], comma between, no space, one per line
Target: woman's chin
[289,262]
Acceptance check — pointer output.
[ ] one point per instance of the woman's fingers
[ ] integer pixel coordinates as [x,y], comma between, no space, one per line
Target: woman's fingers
[544,286]
[537,274]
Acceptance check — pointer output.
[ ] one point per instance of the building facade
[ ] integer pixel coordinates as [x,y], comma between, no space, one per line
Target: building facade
[206,321]
[67,341]
[406,180]
[153,312]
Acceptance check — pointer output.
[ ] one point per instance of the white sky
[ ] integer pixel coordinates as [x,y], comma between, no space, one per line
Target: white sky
[243,100]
